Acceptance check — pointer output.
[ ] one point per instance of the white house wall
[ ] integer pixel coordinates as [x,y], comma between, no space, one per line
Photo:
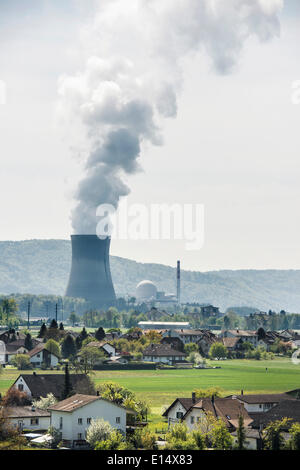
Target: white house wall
[172,415]
[95,410]
[21,381]
[43,424]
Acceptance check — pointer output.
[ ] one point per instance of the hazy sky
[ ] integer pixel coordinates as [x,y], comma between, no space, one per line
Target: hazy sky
[233,147]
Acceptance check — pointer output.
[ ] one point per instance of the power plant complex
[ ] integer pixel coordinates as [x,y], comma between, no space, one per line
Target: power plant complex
[90,276]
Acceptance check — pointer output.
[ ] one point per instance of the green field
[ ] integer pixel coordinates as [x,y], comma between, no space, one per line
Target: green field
[160,387]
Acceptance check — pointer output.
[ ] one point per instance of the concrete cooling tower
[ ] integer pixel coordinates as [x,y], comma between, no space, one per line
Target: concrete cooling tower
[90,276]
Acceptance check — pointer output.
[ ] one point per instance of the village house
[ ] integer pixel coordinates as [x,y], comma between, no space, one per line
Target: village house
[73,416]
[260,403]
[245,336]
[221,408]
[163,353]
[193,412]
[209,311]
[284,409]
[203,338]
[12,350]
[13,343]
[40,355]
[176,411]
[28,417]
[108,349]
[174,342]
[40,385]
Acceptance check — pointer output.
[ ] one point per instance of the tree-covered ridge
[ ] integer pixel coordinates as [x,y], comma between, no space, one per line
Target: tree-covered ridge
[42,267]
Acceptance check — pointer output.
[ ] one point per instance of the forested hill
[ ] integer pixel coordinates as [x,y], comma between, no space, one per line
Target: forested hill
[42,267]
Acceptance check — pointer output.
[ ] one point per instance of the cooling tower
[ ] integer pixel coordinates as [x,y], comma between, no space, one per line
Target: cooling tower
[90,276]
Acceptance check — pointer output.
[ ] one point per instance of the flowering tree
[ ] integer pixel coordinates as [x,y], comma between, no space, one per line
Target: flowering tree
[98,431]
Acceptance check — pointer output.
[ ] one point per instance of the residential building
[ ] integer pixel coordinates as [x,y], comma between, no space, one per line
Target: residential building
[260,403]
[177,410]
[73,416]
[41,355]
[284,409]
[209,311]
[163,353]
[245,336]
[28,417]
[107,348]
[226,409]
[39,385]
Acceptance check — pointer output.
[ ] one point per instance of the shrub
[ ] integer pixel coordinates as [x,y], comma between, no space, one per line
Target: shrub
[15,397]
[21,361]
[218,351]
[115,441]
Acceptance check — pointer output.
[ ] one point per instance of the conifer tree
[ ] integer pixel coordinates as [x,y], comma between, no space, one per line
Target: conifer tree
[68,347]
[28,342]
[100,334]
[43,331]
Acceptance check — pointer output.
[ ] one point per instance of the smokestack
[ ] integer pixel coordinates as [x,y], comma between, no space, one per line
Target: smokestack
[178,282]
[90,276]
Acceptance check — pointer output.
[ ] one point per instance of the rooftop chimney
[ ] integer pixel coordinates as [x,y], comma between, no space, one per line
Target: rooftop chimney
[242,392]
[194,397]
[90,276]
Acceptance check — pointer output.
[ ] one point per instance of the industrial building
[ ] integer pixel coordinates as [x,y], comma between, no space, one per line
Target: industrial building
[161,325]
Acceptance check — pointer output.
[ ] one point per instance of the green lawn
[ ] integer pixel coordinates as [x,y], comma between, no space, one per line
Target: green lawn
[161,387]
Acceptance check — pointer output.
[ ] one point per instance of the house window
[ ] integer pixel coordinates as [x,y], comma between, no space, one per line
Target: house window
[179,415]
[79,436]
[118,420]
[192,419]
[79,420]
[60,423]
[38,355]
[88,420]
[34,421]
[21,387]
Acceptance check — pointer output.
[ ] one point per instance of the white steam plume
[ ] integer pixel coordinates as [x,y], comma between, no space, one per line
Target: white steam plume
[133,75]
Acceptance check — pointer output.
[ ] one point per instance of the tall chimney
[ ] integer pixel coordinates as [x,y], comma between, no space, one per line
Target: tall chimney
[90,276]
[194,397]
[178,282]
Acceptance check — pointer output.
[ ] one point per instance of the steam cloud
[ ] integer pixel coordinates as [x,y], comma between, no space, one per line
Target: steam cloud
[133,76]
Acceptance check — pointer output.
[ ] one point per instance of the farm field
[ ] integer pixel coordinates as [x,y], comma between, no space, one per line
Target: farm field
[161,387]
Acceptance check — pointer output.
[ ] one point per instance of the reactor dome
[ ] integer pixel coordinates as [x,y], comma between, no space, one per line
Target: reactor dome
[146,290]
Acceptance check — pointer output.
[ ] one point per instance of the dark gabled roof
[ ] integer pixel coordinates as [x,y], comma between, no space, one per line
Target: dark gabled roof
[189,332]
[162,350]
[231,342]
[187,403]
[285,409]
[42,384]
[39,348]
[264,398]
[13,348]
[25,412]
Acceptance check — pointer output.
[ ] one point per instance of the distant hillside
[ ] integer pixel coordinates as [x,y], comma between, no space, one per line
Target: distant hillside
[42,267]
